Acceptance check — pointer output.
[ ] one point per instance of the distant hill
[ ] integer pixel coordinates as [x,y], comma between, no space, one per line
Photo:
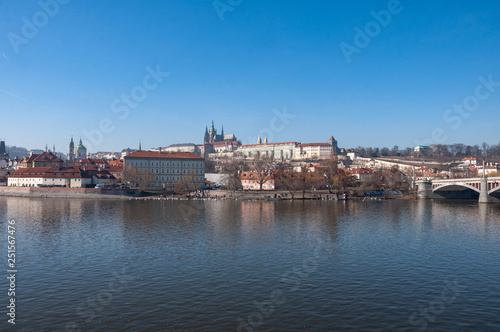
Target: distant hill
[18,152]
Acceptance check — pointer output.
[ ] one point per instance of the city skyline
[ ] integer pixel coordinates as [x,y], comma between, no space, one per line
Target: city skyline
[377,73]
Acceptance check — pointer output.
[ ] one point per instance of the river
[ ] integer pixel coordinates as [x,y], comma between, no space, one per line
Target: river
[106,265]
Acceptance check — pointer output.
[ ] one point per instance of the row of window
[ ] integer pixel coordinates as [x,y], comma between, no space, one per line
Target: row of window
[167,164]
[175,171]
[174,178]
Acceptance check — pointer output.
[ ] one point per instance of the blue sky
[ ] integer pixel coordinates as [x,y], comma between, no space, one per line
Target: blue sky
[67,77]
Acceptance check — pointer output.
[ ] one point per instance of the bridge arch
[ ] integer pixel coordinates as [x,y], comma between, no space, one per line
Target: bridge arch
[454,186]
[494,190]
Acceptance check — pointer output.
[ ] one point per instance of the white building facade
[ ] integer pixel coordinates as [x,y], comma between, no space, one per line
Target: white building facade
[314,150]
[48,177]
[276,151]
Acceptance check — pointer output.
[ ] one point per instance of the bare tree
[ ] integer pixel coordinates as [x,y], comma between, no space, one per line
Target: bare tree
[288,180]
[187,182]
[329,171]
[294,182]
[261,165]
[343,180]
[137,177]
[232,169]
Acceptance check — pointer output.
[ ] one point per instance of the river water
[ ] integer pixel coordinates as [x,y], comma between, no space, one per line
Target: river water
[101,265]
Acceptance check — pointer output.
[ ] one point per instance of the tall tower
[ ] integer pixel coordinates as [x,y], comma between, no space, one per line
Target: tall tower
[212,133]
[333,142]
[259,141]
[206,139]
[3,151]
[71,152]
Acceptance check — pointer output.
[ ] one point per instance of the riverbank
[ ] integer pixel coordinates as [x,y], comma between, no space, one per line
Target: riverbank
[96,193]
[80,193]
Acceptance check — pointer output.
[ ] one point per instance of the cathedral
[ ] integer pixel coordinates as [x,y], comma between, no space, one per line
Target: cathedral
[211,135]
[80,152]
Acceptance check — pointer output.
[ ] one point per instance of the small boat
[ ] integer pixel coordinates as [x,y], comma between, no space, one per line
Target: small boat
[275,198]
[342,197]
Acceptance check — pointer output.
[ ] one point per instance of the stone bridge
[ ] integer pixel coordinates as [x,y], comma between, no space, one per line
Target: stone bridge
[484,189]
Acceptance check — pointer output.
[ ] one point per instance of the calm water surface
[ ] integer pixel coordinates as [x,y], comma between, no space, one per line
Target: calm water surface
[96,265]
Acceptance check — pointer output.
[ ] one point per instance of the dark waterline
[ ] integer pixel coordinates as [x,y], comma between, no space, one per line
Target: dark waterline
[95,265]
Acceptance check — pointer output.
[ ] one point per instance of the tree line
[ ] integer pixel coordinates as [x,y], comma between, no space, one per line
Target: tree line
[442,152]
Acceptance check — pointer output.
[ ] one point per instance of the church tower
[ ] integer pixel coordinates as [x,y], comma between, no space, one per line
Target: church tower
[212,133]
[81,151]
[71,152]
[206,140]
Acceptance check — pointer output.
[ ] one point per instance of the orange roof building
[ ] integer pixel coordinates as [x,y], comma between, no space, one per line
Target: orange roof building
[165,168]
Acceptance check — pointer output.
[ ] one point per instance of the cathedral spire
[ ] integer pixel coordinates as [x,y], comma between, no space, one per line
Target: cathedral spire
[265,139]
[140,145]
[222,131]
[206,139]
[259,141]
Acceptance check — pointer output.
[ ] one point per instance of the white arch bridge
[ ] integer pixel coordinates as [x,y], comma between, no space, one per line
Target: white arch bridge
[484,189]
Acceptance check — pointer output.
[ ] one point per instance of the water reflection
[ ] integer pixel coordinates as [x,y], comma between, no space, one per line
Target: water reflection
[202,265]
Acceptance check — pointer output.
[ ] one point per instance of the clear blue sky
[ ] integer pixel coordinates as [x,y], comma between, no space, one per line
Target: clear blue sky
[70,74]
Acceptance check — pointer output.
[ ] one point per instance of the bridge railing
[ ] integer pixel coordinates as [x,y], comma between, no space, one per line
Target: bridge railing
[497,178]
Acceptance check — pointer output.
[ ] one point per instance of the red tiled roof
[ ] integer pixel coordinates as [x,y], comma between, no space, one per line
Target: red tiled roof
[31,158]
[47,172]
[315,165]
[47,157]
[154,154]
[114,168]
[225,143]
[116,162]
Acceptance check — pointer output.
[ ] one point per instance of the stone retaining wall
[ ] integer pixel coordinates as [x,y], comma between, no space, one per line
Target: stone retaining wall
[68,192]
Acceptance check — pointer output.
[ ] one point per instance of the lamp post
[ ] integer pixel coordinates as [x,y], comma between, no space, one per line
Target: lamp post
[483,196]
